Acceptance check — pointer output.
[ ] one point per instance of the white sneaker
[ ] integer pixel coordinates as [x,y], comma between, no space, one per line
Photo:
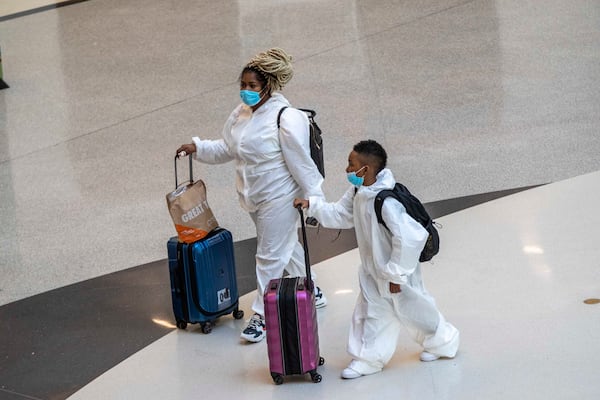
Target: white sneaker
[427,356]
[320,299]
[256,329]
[349,373]
[357,368]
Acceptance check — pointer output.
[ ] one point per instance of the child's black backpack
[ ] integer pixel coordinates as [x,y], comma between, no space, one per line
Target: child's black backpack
[316,141]
[415,209]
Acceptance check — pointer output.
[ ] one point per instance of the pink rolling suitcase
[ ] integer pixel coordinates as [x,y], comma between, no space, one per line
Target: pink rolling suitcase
[291,321]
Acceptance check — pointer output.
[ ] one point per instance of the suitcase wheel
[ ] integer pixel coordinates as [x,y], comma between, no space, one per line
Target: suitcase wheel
[206,327]
[277,378]
[238,314]
[181,324]
[321,361]
[316,377]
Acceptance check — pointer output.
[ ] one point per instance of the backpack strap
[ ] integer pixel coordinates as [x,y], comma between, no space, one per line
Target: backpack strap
[309,113]
[379,199]
[411,204]
[279,115]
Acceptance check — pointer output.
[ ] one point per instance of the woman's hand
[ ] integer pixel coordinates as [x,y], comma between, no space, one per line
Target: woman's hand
[301,202]
[186,149]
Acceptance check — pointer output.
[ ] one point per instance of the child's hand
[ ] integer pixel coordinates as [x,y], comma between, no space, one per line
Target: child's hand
[301,202]
[395,288]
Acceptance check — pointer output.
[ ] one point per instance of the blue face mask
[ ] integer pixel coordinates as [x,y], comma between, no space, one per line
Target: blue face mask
[250,97]
[356,180]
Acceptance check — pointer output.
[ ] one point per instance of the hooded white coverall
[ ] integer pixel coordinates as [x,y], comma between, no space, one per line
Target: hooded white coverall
[386,256]
[273,166]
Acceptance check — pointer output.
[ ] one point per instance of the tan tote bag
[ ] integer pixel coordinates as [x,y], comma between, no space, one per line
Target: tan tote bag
[189,209]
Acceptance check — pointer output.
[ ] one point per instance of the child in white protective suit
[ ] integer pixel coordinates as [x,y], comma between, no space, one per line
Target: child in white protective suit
[391,287]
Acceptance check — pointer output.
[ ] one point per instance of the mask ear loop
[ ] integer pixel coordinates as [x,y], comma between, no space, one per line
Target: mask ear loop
[358,170]
[261,98]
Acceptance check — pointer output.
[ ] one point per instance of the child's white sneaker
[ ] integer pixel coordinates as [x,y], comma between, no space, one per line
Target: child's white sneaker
[357,368]
[349,373]
[427,356]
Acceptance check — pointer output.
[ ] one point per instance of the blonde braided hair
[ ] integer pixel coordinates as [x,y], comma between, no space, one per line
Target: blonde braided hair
[275,65]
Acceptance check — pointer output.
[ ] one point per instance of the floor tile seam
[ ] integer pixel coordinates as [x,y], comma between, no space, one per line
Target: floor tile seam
[391,28]
[372,63]
[418,19]
[24,396]
[123,121]
[40,9]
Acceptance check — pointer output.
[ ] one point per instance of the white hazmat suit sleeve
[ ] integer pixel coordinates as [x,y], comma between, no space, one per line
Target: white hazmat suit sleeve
[333,215]
[294,140]
[216,151]
[408,240]
[212,151]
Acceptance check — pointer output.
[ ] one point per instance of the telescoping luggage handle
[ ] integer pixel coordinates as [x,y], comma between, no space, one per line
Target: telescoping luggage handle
[309,281]
[191,174]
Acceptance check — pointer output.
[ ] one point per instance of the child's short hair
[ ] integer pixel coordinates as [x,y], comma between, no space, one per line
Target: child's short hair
[373,151]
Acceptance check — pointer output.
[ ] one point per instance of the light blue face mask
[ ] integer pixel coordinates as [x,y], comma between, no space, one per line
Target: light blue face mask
[250,97]
[356,180]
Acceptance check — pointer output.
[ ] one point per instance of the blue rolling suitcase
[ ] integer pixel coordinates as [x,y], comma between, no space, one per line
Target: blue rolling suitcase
[203,280]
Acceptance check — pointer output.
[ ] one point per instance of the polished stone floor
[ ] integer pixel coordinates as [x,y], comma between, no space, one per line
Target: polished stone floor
[474,101]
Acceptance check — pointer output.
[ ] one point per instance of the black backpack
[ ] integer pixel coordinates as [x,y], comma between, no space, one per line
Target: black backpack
[316,142]
[417,211]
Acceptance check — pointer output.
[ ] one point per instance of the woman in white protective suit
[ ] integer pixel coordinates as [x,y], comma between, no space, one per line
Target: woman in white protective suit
[391,288]
[273,166]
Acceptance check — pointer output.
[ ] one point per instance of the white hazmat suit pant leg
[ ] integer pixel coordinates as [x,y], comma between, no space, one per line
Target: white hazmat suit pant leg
[277,247]
[377,322]
[417,310]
